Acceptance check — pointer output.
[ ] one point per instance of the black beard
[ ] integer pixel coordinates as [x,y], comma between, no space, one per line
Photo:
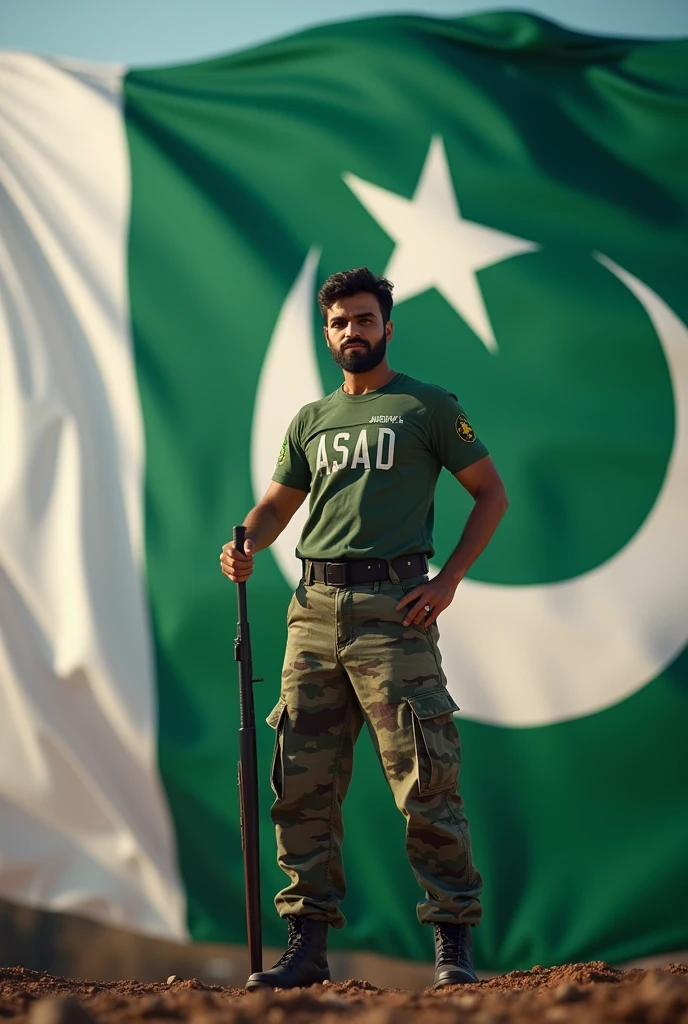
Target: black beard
[355,361]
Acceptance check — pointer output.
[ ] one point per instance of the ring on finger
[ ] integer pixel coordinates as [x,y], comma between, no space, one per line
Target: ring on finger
[427,608]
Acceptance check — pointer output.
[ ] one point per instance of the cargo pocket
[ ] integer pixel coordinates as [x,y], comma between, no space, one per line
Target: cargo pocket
[436,741]
[276,720]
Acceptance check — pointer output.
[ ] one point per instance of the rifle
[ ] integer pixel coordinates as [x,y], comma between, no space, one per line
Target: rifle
[248,773]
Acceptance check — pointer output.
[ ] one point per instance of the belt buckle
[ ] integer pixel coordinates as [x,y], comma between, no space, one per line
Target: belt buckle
[336,574]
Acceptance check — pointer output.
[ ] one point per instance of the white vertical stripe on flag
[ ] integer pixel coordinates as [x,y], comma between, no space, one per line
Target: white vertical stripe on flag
[84,824]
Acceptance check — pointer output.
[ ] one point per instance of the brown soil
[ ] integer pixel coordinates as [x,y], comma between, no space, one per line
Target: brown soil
[575,993]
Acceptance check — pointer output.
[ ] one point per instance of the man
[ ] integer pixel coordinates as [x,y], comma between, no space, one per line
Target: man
[362,637]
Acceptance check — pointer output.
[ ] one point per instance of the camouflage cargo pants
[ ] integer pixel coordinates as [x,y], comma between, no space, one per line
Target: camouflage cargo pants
[349,660]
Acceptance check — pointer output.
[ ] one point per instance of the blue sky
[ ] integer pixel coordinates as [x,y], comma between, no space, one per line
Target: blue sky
[144,32]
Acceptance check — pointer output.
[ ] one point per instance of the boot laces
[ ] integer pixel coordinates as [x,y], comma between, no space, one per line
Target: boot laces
[452,945]
[295,940]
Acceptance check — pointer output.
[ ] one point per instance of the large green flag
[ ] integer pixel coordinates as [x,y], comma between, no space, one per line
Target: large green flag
[526,190]
[510,178]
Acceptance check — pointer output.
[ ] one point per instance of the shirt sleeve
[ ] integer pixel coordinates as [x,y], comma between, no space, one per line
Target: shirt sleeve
[452,437]
[292,467]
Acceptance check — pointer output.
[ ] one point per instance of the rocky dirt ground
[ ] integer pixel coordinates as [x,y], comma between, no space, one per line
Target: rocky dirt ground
[574,993]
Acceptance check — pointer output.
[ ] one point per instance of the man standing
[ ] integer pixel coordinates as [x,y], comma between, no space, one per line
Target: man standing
[362,638]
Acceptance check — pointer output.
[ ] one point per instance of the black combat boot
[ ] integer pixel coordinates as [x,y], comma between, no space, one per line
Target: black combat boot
[304,962]
[453,955]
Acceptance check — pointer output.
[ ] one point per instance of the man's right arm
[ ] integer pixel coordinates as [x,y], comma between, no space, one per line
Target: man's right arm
[264,523]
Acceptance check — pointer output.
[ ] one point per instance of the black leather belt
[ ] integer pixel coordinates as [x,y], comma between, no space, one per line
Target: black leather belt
[366,570]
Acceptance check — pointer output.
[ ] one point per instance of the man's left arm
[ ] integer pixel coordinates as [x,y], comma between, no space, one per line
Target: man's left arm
[484,484]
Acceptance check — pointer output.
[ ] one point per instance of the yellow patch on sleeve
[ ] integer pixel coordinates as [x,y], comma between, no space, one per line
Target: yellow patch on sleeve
[464,429]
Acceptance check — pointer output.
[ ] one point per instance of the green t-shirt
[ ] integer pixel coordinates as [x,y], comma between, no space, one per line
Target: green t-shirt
[371,464]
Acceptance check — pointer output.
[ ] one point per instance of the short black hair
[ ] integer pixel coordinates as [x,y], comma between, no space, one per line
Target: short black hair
[350,282]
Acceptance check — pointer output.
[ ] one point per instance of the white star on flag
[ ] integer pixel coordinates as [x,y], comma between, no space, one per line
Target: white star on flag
[435,246]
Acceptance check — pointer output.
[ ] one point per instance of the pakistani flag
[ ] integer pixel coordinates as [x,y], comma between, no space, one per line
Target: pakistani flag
[163,236]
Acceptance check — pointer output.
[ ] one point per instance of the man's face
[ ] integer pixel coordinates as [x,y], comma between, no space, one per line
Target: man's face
[355,333]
